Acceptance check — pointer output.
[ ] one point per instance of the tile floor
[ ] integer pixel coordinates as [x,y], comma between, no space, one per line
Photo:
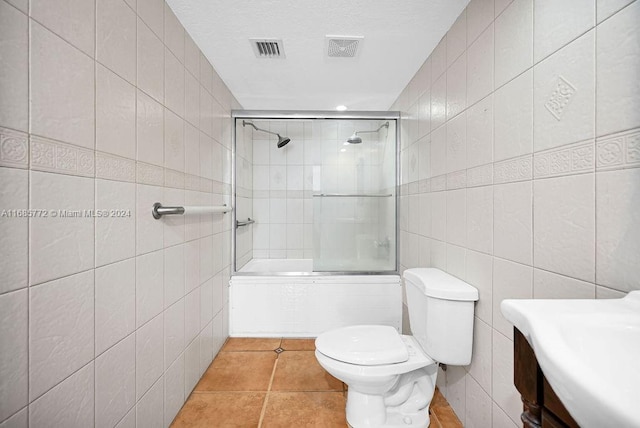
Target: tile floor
[275,383]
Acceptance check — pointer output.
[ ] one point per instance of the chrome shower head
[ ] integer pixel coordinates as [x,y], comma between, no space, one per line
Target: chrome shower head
[354,139]
[282,141]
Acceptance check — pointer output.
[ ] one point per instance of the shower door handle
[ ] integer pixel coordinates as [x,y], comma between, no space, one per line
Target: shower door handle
[244,223]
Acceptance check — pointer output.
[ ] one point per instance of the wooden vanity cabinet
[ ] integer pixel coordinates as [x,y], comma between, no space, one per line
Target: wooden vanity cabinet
[541,406]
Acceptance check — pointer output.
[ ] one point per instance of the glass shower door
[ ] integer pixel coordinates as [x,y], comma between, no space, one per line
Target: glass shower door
[354,206]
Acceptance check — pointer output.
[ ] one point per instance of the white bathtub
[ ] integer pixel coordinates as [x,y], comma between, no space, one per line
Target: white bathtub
[307,305]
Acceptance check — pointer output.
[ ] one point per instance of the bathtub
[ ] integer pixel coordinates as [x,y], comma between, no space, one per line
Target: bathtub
[264,303]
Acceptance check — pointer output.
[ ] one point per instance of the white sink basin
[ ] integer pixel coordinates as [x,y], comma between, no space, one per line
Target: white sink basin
[589,351]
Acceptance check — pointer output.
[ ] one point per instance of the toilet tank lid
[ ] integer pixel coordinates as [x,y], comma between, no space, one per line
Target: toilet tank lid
[438,284]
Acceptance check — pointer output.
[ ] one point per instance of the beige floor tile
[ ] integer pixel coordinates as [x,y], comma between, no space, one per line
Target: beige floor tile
[221,409]
[305,409]
[238,371]
[298,344]
[250,344]
[300,371]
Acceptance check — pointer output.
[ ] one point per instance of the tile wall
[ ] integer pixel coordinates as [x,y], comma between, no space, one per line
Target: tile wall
[282,203]
[520,170]
[107,106]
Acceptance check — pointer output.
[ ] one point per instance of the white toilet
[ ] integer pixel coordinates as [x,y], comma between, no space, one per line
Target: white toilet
[392,377]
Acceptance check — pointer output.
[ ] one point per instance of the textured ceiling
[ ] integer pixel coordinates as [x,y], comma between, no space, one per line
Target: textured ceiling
[398,37]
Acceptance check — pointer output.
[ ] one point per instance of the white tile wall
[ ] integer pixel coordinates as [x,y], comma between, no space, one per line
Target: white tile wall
[14,230]
[564,225]
[14,80]
[115,303]
[73,20]
[556,24]
[70,403]
[93,327]
[115,114]
[618,235]
[14,366]
[513,41]
[549,178]
[62,89]
[115,372]
[116,38]
[618,59]
[61,333]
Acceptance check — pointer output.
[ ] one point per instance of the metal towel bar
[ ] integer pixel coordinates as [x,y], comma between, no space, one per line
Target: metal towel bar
[352,195]
[158,210]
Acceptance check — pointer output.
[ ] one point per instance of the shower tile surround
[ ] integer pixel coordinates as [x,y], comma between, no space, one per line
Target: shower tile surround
[110,320]
[538,197]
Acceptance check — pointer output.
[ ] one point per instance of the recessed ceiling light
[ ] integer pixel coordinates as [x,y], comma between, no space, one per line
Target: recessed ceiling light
[341,108]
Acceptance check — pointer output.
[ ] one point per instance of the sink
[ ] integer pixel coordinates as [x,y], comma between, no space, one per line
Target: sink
[589,351]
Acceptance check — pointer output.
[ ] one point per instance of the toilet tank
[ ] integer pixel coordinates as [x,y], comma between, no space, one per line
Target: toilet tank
[441,314]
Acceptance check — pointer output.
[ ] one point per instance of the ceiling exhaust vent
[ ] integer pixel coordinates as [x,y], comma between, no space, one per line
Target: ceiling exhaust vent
[343,46]
[267,48]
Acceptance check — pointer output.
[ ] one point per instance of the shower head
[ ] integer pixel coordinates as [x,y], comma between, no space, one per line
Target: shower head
[282,141]
[355,139]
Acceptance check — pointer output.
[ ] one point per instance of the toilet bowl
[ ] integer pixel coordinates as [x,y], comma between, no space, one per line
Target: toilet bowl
[392,377]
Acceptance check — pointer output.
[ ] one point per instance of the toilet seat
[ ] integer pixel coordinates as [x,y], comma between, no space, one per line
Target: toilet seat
[417,359]
[366,345]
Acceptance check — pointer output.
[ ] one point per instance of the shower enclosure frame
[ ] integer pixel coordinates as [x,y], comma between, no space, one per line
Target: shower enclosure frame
[311,115]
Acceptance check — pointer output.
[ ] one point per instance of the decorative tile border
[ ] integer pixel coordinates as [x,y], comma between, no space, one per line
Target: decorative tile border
[54,156]
[480,175]
[621,150]
[113,167]
[457,180]
[149,174]
[424,186]
[14,148]
[570,159]
[281,194]
[191,182]
[414,188]
[512,170]
[173,179]
[218,187]
[206,185]
[439,183]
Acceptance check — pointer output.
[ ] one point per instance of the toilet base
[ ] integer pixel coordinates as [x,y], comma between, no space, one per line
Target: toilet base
[406,405]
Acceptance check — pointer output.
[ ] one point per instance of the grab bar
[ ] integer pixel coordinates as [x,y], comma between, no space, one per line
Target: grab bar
[158,210]
[244,223]
[352,195]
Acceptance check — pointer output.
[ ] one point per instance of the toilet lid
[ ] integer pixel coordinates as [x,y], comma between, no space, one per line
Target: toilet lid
[367,345]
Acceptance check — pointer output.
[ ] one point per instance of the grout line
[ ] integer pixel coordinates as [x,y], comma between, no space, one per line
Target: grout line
[266,397]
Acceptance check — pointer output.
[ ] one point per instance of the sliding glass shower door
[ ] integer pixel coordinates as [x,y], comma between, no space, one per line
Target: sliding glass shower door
[319,191]
[354,205]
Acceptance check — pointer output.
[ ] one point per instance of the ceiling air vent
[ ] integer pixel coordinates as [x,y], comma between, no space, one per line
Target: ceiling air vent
[267,48]
[343,46]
